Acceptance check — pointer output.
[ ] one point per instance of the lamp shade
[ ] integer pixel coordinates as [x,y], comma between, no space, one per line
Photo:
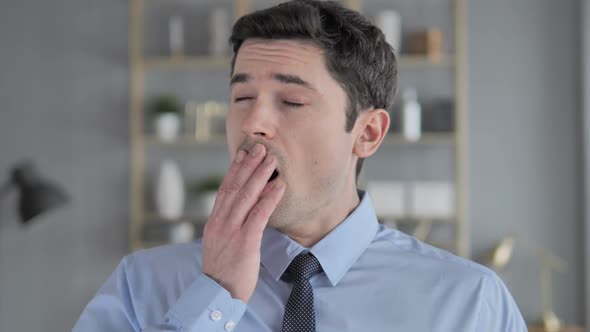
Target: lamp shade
[37,195]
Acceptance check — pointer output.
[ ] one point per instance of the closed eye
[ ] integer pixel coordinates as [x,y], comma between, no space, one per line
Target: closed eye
[288,103]
[242,99]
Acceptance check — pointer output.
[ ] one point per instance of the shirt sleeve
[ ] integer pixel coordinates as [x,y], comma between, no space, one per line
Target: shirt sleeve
[204,306]
[498,311]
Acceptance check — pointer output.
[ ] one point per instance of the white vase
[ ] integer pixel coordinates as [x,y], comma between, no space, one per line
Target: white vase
[182,232]
[170,194]
[167,126]
[204,203]
[390,23]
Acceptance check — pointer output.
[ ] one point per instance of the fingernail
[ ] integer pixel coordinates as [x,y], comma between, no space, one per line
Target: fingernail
[257,150]
[240,156]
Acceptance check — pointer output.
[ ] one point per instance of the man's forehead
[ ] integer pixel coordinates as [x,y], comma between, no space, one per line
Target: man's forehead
[286,61]
[288,53]
[285,78]
[293,45]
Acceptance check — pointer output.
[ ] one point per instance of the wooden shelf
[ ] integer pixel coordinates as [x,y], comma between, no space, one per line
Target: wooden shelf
[391,139]
[416,220]
[425,139]
[149,244]
[186,140]
[536,328]
[445,246]
[186,61]
[211,62]
[154,219]
[417,61]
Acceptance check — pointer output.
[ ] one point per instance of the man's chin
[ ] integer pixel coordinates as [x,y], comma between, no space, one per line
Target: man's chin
[275,222]
[279,218]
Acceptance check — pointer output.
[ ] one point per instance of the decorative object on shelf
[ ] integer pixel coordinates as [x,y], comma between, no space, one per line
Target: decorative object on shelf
[176,36]
[157,232]
[428,42]
[432,200]
[182,232]
[210,120]
[37,195]
[411,115]
[388,198]
[390,23]
[499,257]
[205,192]
[190,119]
[170,193]
[219,32]
[438,115]
[166,110]
[422,229]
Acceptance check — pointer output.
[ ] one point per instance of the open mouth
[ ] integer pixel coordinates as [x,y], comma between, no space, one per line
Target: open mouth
[274,175]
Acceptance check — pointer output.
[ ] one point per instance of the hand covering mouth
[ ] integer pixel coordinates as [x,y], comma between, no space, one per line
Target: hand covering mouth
[275,173]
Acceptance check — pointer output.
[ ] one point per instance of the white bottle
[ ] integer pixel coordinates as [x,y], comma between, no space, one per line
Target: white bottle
[219,32]
[176,36]
[412,116]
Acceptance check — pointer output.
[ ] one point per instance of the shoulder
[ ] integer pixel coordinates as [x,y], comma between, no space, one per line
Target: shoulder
[493,302]
[403,246]
[163,259]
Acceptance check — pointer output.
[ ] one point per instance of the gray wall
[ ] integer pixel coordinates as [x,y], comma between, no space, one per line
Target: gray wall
[525,141]
[64,103]
[64,91]
[585,27]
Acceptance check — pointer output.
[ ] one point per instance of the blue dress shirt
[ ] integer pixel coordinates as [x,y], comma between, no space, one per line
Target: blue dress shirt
[374,279]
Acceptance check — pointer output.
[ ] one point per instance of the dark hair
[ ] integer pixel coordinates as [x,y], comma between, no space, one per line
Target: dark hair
[357,55]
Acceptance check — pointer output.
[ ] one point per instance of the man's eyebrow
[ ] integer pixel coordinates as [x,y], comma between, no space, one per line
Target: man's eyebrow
[283,78]
[239,78]
[292,79]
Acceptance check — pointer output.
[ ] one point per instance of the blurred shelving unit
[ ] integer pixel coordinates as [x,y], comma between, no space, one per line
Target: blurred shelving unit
[141,142]
[391,139]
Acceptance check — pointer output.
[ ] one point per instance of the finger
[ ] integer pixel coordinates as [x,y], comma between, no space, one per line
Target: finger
[236,163]
[263,209]
[250,193]
[236,178]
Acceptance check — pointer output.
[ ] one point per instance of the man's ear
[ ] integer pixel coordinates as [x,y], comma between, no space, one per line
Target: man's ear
[372,128]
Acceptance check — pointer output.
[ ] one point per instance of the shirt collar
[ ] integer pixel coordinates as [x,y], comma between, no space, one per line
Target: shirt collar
[336,252]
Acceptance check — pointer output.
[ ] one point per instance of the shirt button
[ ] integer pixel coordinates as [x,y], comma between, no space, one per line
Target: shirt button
[230,325]
[216,315]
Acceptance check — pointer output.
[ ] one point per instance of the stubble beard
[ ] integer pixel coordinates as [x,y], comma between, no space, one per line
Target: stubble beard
[293,210]
[284,212]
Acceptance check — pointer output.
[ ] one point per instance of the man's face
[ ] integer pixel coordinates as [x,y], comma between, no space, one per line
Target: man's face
[283,97]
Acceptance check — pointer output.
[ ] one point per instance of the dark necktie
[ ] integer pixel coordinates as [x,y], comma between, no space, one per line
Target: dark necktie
[299,311]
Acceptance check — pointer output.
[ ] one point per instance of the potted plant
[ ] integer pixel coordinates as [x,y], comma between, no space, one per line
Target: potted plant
[204,192]
[166,110]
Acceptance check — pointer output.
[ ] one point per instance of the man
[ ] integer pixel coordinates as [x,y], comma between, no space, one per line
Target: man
[290,244]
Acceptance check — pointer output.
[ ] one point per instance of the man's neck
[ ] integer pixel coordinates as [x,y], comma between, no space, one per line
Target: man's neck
[323,221]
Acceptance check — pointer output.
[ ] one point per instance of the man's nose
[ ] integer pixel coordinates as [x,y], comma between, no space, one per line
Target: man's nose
[260,121]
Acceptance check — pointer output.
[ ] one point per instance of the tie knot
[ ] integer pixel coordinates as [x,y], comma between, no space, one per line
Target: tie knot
[304,266]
